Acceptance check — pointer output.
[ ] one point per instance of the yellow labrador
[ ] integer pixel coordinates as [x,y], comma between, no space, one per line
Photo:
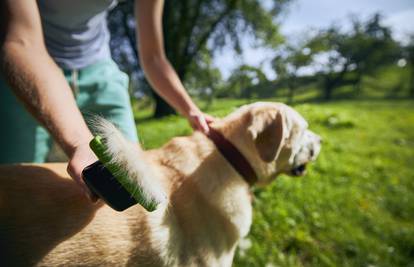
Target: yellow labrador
[46,221]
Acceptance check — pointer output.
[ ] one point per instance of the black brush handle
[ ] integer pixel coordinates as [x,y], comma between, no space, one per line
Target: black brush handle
[102,183]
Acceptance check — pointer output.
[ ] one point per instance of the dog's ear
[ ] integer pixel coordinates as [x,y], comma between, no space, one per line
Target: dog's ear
[267,132]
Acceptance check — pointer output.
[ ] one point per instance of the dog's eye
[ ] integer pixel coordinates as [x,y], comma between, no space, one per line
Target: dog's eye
[312,152]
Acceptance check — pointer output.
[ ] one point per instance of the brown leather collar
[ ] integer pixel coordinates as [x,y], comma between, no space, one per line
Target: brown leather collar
[233,156]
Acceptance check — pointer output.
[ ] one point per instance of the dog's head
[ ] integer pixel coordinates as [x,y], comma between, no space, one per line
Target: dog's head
[275,139]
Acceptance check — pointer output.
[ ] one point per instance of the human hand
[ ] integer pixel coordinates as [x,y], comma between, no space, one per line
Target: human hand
[200,121]
[81,157]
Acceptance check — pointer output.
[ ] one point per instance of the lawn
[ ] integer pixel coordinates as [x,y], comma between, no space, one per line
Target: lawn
[356,205]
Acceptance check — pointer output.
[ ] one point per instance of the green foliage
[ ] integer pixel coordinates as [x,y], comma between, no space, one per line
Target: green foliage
[288,62]
[242,81]
[364,49]
[205,79]
[340,58]
[355,207]
[408,53]
[193,31]
[201,28]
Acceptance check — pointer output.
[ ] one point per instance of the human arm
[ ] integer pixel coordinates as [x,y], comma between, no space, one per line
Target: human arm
[39,84]
[158,69]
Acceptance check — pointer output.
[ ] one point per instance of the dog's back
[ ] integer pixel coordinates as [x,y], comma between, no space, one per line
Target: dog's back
[45,219]
[36,201]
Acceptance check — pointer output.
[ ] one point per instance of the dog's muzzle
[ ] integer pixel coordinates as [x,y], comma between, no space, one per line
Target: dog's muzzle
[299,170]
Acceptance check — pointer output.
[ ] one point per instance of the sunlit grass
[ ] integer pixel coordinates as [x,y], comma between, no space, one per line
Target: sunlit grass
[356,205]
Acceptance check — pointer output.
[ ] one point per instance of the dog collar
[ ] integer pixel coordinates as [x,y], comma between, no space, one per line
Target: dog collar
[233,156]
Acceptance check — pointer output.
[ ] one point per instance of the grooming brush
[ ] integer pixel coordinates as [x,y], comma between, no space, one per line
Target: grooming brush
[110,182]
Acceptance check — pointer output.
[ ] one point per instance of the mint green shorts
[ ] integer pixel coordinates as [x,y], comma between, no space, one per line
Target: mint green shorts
[100,89]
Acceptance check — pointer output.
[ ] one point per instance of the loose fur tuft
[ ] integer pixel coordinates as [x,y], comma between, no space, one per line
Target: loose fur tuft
[129,157]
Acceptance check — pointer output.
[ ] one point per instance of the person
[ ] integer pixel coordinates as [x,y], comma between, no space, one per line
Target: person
[55,58]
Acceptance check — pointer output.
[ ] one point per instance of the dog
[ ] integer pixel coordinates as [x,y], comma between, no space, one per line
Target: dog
[45,220]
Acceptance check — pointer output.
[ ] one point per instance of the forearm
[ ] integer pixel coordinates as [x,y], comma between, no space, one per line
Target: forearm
[41,86]
[157,68]
[166,83]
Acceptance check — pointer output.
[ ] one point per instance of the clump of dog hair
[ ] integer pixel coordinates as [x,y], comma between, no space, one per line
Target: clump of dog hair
[131,160]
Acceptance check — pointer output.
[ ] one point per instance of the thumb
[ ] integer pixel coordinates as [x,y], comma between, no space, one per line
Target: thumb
[202,124]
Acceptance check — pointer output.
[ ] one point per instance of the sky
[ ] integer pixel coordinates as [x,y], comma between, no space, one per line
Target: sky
[303,15]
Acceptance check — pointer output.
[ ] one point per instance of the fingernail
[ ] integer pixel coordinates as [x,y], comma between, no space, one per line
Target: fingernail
[90,195]
[93,197]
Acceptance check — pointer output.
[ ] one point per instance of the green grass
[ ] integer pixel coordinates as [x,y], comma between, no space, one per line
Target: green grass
[356,205]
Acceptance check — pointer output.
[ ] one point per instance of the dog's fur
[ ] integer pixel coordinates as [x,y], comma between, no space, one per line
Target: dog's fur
[46,221]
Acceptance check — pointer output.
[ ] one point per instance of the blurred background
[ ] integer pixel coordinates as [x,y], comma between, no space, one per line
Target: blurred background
[296,49]
[348,68]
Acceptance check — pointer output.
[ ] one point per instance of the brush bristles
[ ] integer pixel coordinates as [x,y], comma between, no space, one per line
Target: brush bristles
[131,161]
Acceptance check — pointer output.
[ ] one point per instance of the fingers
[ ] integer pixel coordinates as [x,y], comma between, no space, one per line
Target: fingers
[203,125]
[82,157]
[91,195]
[209,118]
[200,121]
[77,177]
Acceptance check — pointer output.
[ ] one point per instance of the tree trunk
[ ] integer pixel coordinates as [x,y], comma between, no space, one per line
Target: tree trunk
[291,93]
[333,80]
[328,88]
[357,84]
[411,81]
[162,108]
[328,92]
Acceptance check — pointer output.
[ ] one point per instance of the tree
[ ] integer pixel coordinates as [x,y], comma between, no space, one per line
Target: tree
[361,51]
[409,55]
[191,26]
[242,82]
[328,46]
[205,79]
[288,63]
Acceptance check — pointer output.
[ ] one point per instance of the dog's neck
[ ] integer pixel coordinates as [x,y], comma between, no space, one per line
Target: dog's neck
[233,156]
[207,189]
[227,191]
